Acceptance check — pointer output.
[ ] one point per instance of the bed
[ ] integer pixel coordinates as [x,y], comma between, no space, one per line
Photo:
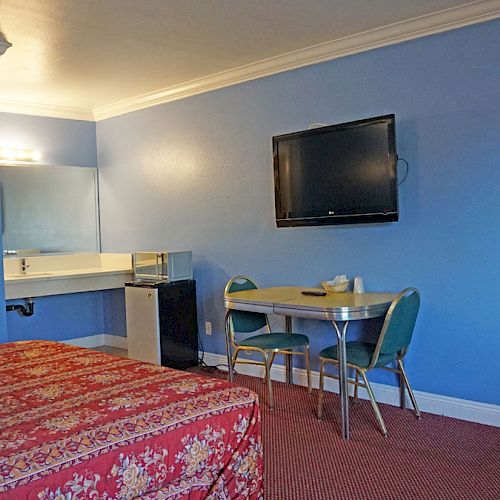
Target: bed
[76,423]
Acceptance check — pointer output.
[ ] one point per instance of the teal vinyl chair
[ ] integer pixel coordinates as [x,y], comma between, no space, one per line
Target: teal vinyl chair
[268,344]
[391,347]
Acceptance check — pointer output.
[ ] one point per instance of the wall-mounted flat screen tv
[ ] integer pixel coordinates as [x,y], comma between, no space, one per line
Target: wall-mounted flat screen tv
[340,174]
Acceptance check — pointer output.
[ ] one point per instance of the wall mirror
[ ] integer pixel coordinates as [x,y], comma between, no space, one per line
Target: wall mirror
[49,209]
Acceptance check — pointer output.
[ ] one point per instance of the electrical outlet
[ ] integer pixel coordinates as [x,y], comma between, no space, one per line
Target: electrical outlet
[208,327]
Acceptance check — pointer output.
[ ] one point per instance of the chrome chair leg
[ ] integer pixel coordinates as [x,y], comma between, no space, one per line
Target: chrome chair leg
[232,363]
[270,366]
[375,407]
[269,382]
[228,347]
[410,391]
[356,383]
[320,392]
[402,392]
[272,359]
[264,379]
[308,369]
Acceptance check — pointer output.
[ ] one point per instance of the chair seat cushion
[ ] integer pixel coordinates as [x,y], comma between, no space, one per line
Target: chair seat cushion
[359,354]
[275,341]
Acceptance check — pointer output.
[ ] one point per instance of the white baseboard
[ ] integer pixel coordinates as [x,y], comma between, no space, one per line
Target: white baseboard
[462,409]
[99,340]
[115,341]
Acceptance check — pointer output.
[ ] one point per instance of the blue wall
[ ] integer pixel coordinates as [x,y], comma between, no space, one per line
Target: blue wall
[59,317]
[197,174]
[61,142]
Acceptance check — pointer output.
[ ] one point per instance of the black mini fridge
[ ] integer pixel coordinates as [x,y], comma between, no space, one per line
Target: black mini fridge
[162,326]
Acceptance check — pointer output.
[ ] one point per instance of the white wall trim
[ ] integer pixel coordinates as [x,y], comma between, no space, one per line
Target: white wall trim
[99,340]
[462,409]
[39,109]
[429,24]
[88,342]
[115,341]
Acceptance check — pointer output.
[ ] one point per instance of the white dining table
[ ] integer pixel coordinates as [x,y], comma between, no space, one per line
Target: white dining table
[339,308]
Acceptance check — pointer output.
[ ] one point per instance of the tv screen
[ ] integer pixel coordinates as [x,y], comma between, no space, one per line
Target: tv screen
[340,174]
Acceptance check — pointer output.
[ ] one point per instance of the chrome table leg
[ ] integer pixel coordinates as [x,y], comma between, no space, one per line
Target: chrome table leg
[344,386]
[288,357]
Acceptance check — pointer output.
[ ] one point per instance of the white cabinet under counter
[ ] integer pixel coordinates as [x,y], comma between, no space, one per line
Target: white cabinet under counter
[43,275]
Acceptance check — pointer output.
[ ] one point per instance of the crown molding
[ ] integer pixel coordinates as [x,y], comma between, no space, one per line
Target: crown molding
[429,24]
[39,109]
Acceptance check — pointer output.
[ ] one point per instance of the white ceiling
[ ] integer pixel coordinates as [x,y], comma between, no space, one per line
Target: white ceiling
[98,58]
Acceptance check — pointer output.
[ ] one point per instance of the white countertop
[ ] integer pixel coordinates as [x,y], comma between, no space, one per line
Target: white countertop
[62,275]
[56,275]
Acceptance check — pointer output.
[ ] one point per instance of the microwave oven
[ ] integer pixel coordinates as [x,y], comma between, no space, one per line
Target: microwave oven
[163,266]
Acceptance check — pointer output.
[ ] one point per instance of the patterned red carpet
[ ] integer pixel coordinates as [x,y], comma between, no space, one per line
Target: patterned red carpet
[434,458]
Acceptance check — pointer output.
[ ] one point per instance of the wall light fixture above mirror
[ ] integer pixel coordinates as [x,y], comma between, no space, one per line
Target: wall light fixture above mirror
[19,154]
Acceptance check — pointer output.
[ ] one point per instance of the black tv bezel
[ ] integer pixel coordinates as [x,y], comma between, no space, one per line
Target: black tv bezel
[321,220]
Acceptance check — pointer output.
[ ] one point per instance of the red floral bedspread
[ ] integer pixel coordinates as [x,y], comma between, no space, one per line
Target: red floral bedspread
[76,423]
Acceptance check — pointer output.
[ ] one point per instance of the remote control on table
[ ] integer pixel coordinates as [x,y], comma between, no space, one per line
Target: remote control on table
[316,293]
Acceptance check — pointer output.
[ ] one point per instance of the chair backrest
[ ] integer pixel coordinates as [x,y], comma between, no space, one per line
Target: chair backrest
[244,321]
[399,323]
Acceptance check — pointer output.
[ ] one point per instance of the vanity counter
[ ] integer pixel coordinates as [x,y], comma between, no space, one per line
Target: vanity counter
[40,276]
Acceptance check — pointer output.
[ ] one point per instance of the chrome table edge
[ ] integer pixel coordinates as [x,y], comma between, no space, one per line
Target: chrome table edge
[343,313]
[332,314]
[246,305]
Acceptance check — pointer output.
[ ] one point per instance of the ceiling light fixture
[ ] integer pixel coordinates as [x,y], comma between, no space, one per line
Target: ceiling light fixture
[4,45]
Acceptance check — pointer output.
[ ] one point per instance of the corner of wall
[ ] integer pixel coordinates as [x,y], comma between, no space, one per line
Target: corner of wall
[3,320]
